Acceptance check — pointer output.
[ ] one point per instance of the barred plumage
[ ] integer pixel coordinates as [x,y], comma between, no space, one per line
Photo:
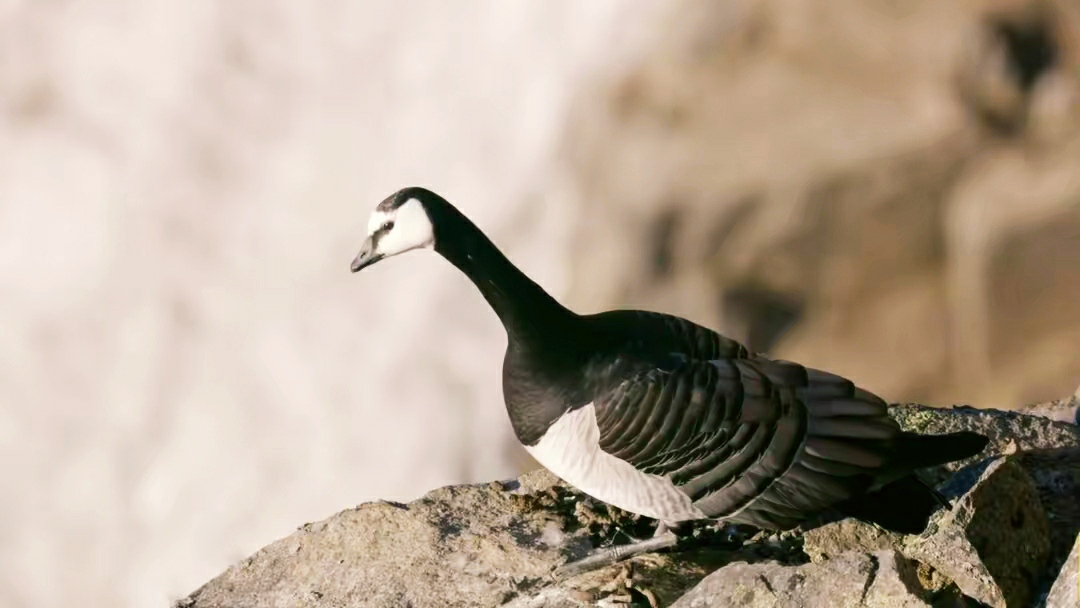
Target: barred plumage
[668,418]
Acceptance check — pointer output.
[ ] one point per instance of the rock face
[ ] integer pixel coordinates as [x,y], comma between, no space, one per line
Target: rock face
[1066,590]
[1065,410]
[847,183]
[1003,544]
[995,542]
[884,578]
[1008,431]
[482,545]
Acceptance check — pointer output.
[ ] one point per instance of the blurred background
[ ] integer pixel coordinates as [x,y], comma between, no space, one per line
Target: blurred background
[887,190]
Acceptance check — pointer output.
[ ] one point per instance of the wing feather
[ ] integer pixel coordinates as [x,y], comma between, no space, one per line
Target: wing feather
[766,441]
[748,438]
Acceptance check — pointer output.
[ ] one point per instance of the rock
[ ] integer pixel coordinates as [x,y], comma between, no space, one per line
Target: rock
[1066,590]
[1062,410]
[994,542]
[839,537]
[456,546]
[850,536]
[1056,475]
[472,545]
[882,579]
[1008,431]
[498,544]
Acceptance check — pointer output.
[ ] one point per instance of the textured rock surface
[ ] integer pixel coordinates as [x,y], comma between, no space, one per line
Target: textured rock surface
[498,543]
[839,537]
[481,545]
[1008,431]
[1062,410]
[1056,475]
[995,542]
[883,579]
[994,545]
[463,545]
[1066,590]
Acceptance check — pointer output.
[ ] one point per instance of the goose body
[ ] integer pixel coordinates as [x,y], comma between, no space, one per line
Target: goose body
[668,419]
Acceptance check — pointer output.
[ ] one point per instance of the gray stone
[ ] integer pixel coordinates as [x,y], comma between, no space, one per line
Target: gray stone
[883,579]
[457,546]
[839,537]
[978,546]
[498,543]
[473,545]
[1008,431]
[1056,475]
[1066,590]
[1062,410]
[995,541]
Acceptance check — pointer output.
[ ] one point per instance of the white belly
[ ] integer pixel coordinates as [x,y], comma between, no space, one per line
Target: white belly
[571,450]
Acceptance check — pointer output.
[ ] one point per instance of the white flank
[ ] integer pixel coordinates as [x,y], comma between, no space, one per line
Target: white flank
[571,450]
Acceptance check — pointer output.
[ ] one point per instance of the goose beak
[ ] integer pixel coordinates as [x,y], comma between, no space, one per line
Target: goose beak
[366,257]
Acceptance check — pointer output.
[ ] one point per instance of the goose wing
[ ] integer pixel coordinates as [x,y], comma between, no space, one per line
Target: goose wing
[758,441]
[667,333]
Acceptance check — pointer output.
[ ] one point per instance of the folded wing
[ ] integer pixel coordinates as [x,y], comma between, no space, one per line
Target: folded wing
[764,442]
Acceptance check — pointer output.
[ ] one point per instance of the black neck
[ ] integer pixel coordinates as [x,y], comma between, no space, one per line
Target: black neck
[529,314]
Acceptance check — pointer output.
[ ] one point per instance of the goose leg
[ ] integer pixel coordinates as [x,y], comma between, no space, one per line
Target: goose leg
[663,538]
[660,530]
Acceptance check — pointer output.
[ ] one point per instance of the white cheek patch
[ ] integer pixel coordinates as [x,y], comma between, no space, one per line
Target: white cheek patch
[377,219]
[412,229]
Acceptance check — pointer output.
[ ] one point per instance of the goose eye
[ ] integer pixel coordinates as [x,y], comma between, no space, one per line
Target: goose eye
[387,226]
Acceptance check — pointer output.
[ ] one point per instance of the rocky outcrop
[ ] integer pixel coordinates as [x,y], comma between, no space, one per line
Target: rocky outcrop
[1008,431]
[1065,410]
[846,184]
[994,543]
[884,578]
[1003,543]
[483,545]
[1066,590]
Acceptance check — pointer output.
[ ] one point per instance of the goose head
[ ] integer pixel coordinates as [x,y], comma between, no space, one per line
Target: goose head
[398,224]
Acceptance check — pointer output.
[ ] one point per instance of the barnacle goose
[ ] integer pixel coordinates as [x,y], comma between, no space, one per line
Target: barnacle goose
[665,418]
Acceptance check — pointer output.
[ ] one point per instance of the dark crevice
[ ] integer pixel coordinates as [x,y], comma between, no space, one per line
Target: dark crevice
[768,585]
[874,567]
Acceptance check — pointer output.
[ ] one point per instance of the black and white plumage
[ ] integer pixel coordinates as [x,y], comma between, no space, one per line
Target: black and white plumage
[668,419]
